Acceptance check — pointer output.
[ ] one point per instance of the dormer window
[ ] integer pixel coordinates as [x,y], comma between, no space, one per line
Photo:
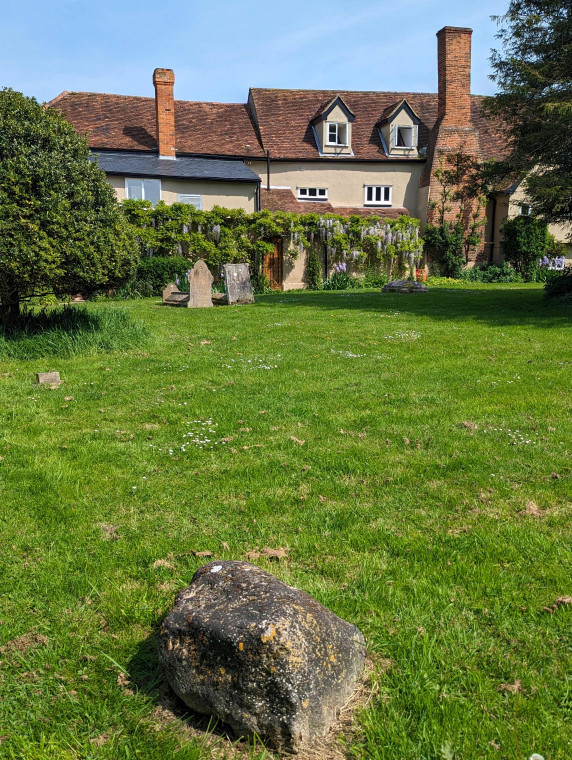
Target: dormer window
[405,137]
[398,129]
[337,133]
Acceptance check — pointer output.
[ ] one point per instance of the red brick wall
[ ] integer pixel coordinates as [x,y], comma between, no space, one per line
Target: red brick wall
[164,80]
[453,131]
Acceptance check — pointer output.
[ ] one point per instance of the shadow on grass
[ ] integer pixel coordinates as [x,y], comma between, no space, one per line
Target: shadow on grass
[502,306]
[68,331]
[146,674]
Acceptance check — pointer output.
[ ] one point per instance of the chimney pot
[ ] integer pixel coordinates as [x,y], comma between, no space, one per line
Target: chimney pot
[164,80]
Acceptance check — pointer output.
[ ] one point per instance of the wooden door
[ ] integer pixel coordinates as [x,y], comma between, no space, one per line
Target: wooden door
[273,266]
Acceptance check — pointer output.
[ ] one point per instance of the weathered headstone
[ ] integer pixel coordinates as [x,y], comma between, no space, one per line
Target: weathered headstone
[260,655]
[200,286]
[171,288]
[404,286]
[48,378]
[238,285]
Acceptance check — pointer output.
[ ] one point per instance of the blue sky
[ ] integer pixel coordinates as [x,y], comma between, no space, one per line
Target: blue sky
[220,48]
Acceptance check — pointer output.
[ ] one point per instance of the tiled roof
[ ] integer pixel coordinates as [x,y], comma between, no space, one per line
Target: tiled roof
[284,118]
[386,213]
[285,200]
[120,122]
[150,165]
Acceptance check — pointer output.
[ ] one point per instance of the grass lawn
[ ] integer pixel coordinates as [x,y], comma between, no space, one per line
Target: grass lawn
[413,452]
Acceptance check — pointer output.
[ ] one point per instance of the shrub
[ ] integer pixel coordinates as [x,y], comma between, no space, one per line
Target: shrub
[153,274]
[260,284]
[68,331]
[491,273]
[373,279]
[560,286]
[525,243]
[158,271]
[339,279]
[313,273]
[436,279]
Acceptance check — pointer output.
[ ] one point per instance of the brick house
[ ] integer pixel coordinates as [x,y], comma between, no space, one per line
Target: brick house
[367,153]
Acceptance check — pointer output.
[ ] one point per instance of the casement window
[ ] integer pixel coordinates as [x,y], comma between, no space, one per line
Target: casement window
[524,209]
[378,195]
[143,189]
[313,193]
[404,137]
[337,133]
[192,200]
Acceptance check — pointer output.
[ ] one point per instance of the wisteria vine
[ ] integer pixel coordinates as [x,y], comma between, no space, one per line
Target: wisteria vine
[230,235]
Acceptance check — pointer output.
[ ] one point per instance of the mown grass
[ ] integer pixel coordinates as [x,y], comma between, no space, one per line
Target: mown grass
[429,503]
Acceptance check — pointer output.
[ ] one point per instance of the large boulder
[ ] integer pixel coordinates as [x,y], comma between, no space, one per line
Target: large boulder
[404,286]
[263,657]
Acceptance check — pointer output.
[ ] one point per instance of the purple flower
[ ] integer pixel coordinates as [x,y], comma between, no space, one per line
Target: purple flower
[341,267]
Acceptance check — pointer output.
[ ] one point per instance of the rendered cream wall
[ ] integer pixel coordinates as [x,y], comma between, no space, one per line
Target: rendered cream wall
[232,195]
[293,272]
[346,181]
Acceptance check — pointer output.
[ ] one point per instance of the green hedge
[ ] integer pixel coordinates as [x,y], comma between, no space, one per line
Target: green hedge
[491,273]
[154,273]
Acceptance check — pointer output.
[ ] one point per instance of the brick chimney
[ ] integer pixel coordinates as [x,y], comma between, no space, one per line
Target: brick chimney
[454,69]
[164,80]
[453,131]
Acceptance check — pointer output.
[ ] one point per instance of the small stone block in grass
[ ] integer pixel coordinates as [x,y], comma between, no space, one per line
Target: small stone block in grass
[48,378]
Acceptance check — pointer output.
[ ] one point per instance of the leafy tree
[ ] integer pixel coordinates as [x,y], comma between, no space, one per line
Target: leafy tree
[458,223]
[61,229]
[533,73]
[525,243]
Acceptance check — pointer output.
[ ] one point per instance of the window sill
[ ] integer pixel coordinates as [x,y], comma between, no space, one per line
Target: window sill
[313,200]
[337,145]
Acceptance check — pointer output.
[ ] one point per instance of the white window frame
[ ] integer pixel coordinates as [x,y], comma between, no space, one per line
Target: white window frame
[337,125]
[199,199]
[413,128]
[524,209]
[382,202]
[303,194]
[143,180]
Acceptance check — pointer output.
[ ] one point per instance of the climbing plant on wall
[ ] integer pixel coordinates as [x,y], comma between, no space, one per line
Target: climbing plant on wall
[224,235]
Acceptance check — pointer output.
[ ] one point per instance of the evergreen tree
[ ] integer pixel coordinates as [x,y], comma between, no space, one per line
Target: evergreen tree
[61,229]
[533,73]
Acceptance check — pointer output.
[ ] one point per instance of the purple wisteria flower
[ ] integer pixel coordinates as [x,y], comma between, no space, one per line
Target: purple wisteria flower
[557,263]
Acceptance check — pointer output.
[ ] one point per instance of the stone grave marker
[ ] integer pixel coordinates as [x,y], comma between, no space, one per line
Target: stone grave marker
[200,286]
[171,288]
[48,378]
[238,286]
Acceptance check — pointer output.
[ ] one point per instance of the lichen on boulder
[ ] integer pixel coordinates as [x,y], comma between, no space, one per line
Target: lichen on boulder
[404,286]
[263,657]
